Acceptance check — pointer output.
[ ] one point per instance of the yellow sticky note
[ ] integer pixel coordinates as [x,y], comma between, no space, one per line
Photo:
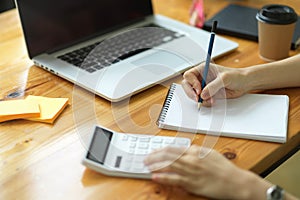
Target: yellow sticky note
[16,109]
[50,107]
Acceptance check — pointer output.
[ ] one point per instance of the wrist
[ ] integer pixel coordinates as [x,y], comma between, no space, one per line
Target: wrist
[247,78]
[254,81]
[251,186]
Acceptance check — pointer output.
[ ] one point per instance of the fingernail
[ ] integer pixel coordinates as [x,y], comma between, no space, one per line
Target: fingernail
[204,94]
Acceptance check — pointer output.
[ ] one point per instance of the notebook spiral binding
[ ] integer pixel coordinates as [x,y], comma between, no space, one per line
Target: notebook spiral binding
[165,108]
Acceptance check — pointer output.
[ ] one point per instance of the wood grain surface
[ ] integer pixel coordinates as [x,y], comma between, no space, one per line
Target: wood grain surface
[42,161]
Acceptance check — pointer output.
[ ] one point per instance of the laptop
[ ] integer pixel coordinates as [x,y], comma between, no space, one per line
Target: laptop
[114,49]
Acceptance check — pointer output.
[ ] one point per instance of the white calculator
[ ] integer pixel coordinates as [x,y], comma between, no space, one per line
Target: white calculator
[122,154]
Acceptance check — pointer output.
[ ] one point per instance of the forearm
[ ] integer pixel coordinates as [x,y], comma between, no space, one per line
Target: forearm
[280,74]
[251,186]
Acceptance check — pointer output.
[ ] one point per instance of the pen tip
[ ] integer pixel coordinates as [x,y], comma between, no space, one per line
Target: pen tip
[199,105]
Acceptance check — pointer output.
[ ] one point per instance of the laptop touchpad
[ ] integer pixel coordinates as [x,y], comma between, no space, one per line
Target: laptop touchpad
[161,62]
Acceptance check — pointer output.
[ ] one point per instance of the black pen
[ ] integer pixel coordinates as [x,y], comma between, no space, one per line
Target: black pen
[210,47]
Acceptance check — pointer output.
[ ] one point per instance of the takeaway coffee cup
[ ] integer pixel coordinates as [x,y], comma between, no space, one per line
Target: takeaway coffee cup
[276,25]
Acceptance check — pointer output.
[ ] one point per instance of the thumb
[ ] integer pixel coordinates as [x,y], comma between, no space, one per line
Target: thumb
[212,88]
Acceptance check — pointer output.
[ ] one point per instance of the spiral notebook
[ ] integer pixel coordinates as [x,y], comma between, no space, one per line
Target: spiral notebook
[252,116]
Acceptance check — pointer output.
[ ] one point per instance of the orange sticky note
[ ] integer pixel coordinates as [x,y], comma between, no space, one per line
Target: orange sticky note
[50,108]
[17,109]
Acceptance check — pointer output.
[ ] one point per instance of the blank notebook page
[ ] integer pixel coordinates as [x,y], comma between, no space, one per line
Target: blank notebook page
[253,116]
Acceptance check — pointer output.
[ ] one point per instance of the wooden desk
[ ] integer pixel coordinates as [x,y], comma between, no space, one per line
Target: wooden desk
[41,161]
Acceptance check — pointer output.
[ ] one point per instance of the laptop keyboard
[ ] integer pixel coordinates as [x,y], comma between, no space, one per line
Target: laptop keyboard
[103,54]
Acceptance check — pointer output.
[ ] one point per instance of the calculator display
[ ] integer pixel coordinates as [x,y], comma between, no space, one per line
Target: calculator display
[99,145]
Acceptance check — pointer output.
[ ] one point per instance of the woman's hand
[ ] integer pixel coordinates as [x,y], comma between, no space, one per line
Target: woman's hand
[222,82]
[205,172]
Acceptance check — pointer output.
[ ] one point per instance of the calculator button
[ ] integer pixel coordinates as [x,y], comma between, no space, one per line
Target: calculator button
[133,139]
[142,152]
[145,139]
[138,147]
[125,137]
[138,166]
[169,141]
[132,145]
[118,161]
[129,159]
[157,140]
[182,142]
[156,146]
[126,166]
[143,146]
[131,150]
[139,159]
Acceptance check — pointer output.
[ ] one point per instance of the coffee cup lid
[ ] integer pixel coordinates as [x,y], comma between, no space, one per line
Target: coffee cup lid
[277,14]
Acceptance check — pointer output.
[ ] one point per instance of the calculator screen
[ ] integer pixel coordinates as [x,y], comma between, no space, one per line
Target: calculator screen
[99,145]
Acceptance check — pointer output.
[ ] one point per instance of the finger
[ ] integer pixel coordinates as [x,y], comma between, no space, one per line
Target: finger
[184,164]
[212,88]
[193,78]
[221,93]
[165,154]
[187,163]
[208,103]
[190,92]
[159,162]
[163,166]
[170,179]
[212,72]
[196,70]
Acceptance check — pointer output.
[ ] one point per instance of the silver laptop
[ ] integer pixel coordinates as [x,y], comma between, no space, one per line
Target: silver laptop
[114,49]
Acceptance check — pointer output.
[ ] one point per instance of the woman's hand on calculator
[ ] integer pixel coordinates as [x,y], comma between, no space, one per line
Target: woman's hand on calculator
[201,171]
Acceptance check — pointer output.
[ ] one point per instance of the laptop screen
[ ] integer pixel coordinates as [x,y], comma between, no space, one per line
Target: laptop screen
[53,24]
